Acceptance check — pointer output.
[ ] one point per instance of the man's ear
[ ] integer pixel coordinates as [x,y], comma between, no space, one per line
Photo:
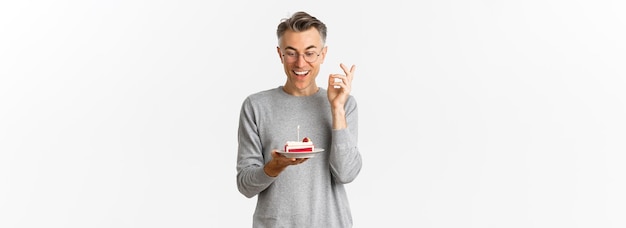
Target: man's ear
[324,53]
[280,54]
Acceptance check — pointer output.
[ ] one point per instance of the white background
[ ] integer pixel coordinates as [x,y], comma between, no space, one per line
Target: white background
[472,113]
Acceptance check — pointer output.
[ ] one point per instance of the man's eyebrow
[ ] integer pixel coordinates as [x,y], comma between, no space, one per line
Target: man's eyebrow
[292,48]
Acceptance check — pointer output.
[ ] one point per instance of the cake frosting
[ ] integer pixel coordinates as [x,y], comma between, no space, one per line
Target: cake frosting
[306,145]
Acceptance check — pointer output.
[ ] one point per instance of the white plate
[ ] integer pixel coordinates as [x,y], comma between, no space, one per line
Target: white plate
[301,154]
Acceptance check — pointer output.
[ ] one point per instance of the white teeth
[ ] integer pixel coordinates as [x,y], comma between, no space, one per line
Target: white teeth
[301,72]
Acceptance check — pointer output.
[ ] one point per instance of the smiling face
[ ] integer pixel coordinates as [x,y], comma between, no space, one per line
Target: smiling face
[302,54]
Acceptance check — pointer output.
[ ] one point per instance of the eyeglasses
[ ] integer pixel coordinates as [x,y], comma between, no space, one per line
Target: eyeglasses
[292,56]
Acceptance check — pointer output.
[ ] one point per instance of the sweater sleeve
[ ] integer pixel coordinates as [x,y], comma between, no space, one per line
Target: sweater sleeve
[251,178]
[345,158]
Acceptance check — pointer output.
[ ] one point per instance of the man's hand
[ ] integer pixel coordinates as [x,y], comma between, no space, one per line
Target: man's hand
[279,163]
[339,86]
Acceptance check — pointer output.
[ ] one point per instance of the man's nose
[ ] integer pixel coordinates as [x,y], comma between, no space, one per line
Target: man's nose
[300,61]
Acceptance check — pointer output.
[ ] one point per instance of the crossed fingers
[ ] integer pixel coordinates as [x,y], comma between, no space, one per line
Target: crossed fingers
[341,80]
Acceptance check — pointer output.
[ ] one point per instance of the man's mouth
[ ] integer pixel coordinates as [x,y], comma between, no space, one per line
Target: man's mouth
[301,73]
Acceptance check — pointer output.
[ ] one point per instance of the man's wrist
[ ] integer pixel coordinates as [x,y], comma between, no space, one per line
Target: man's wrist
[271,169]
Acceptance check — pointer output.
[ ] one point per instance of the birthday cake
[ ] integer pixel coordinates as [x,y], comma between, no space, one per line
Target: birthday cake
[306,145]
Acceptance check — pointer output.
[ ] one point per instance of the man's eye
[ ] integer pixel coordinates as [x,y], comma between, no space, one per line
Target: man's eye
[310,54]
[291,54]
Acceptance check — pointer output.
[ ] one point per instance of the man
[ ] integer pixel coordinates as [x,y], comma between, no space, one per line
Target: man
[300,192]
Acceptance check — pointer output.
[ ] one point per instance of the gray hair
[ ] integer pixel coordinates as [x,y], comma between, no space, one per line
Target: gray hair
[299,22]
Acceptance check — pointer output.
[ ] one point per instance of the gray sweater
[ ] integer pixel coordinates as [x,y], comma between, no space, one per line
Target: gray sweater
[311,194]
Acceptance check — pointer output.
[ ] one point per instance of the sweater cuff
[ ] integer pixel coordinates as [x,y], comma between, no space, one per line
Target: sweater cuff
[263,177]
